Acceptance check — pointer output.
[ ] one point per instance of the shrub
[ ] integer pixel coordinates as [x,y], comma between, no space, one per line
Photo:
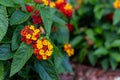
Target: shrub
[97,29]
[32,38]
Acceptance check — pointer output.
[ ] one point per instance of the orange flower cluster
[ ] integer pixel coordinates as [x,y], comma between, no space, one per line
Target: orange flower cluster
[116,4]
[68,49]
[64,7]
[43,49]
[30,34]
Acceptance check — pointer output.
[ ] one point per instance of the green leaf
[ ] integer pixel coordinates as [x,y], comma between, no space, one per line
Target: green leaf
[20,58]
[7,3]
[1,71]
[90,33]
[46,14]
[57,58]
[76,40]
[62,34]
[93,1]
[28,1]
[21,3]
[115,56]
[16,38]
[82,54]
[24,72]
[3,22]
[105,64]
[115,43]
[116,19]
[92,58]
[58,20]
[61,70]
[18,1]
[107,44]
[46,70]
[66,64]
[99,11]
[98,30]
[113,64]
[5,52]
[101,51]
[98,43]
[19,17]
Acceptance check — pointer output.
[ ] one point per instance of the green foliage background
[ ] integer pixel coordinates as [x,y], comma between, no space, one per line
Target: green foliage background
[96,36]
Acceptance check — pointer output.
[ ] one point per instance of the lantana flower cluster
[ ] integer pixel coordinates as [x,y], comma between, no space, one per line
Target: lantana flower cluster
[116,4]
[42,47]
[68,49]
[64,7]
[30,34]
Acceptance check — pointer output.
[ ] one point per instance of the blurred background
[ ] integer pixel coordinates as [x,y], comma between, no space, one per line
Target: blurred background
[95,36]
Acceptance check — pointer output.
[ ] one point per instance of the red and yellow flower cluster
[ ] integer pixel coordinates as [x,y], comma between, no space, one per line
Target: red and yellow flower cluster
[68,49]
[30,34]
[116,4]
[43,49]
[64,7]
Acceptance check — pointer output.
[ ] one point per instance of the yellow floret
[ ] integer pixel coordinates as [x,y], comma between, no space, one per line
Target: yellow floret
[28,36]
[41,52]
[116,4]
[45,42]
[32,27]
[44,57]
[52,4]
[36,31]
[50,47]
[48,53]
[39,46]
[34,38]
[39,42]
[68,7]
[45,2]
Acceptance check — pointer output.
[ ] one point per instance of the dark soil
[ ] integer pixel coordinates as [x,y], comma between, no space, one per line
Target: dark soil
[82,72]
